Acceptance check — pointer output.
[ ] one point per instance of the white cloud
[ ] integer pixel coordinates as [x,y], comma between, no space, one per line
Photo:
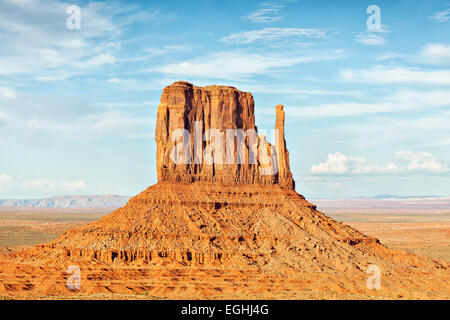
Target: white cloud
[421,161]
[130,84]
[428,130]
[314,179]
[234,65]
[338,163]
[406,161]
[126,104]
[430,53]
[397,75]
[370,39]
[373,36]
[9,182]
[157,51]
[435,53]
[93,126]
[73,186]
[404,100]
[7,93]
[75,118]
[274,34]
[317,181]
[80,67]
[442,16]
[267,14]
[295,90]
[96,61]
[389,56]
[37,43]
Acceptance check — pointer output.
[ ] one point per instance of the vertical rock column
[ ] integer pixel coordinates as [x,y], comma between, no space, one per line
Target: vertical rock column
[284,173]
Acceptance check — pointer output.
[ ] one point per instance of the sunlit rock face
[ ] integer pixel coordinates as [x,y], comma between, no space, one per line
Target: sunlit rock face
[209,134]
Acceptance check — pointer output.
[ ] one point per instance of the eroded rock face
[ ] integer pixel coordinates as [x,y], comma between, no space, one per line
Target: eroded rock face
[220,141]
[219,230]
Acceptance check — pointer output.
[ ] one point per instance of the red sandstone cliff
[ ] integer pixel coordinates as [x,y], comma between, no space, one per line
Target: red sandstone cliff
[223,112]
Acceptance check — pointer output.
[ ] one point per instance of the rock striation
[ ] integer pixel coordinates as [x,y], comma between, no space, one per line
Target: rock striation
[219,123]
[219,229]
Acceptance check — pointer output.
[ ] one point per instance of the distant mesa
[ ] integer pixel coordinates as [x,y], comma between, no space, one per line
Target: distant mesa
[105,201]
[390,196]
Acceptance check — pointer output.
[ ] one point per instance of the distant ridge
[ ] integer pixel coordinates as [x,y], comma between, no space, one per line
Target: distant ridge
[389,196]
[105,201]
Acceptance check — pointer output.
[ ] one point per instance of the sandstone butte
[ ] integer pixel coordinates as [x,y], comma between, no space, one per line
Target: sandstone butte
[219,231]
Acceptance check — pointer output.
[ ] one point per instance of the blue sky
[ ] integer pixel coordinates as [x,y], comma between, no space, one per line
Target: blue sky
[367,111]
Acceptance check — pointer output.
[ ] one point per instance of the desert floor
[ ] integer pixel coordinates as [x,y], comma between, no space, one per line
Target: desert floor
[25,227]
[422,232]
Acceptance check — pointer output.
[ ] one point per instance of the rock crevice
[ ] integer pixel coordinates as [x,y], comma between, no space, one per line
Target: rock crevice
[208,134]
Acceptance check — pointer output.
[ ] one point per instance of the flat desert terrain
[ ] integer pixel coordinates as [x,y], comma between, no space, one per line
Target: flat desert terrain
[418,226]
[26,227]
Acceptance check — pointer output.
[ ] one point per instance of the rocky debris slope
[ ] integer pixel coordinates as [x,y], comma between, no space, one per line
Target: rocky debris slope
[207,230]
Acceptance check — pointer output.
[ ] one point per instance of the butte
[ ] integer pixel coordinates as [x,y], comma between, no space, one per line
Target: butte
[220,230]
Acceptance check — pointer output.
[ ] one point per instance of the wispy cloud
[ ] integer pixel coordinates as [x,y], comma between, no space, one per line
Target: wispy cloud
[390,56]
[267,13]
[338,163]
[416,161]
[404,162]
[401,101]
[75,119]
[441,16]
[373,36]
[235,65]
[43,185]
[295,90]
[38,45]
[132,84]
[370,39]
[274,34]
[7,93]
[430,54]
[434,53]
[428,130]
[126,104]
[397,75]
[175,48]
[95,126]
